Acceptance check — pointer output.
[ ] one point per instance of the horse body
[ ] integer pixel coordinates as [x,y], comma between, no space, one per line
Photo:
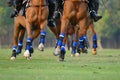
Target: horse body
[19,32]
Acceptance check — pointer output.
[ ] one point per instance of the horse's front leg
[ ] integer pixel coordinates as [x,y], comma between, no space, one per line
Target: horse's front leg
[20,41]
[42,35]
[64,24]
[14,47]
[42,25]
[27,53]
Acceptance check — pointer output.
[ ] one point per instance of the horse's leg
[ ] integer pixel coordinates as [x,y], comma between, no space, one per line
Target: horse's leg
[42,40]
[27,53]
[20,41]
[94,38]
[14,47]
[68,7]
[43,24]
[35,35]
[62,49]
[82,35]
[75,41]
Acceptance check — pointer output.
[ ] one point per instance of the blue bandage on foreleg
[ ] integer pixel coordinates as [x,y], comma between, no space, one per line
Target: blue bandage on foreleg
[28,43]
[81,42]
[61,37]
[63,47]
[42,36]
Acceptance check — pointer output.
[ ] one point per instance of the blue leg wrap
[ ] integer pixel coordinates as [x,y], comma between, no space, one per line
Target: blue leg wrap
[81,42]
[63,47]
[14,48]
[42,37]
[74,45]
[20,44]
[61,37]
[28,43]
[94,41]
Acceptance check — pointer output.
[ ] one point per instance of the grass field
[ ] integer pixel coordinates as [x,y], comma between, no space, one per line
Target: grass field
[44,66]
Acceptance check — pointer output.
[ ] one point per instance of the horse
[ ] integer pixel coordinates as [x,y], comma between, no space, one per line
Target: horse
[36,17]
[19,32]
[74,12]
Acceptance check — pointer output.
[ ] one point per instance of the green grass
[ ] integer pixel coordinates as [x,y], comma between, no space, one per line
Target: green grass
[44,66]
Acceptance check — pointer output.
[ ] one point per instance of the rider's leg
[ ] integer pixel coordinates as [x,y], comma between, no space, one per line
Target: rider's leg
[93,7]
[59,8]
[51,12]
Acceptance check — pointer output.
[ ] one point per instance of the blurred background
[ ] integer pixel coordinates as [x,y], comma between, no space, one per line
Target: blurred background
[107,29]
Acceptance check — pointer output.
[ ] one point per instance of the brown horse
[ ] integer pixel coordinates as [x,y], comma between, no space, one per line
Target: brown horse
[36,17]
[19,31]
[74,12]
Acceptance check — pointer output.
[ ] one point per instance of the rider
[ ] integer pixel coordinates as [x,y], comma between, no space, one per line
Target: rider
[51,6]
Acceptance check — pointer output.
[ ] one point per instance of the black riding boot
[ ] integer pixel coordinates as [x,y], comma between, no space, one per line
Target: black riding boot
[51,13]
[59,8]
[13,13]
[93,7]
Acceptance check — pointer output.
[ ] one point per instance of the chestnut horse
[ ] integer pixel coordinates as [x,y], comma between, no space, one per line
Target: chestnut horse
[36,17]
[19,31]
[74,12]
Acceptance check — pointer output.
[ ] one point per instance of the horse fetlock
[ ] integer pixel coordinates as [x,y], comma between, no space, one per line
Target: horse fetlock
[27,53]
[94,51]
[41,47]
[31,50]
[57,51]
[13,58]
[77,54]
[62,55]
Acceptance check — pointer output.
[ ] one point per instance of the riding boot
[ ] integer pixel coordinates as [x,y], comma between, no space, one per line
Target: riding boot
[51,13]
[13,13]
[93,7]
[59,10]
[94,15]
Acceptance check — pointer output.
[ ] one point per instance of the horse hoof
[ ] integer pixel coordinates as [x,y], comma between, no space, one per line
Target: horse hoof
[27,54]
[94,52]
[13,58]
[77,54]
[29,58]
[41,47]
[57,52]
[60,59]
[72,55]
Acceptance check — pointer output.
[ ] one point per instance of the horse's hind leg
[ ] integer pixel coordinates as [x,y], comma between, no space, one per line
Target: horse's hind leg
[14,47]
[20,41]
[94,38]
